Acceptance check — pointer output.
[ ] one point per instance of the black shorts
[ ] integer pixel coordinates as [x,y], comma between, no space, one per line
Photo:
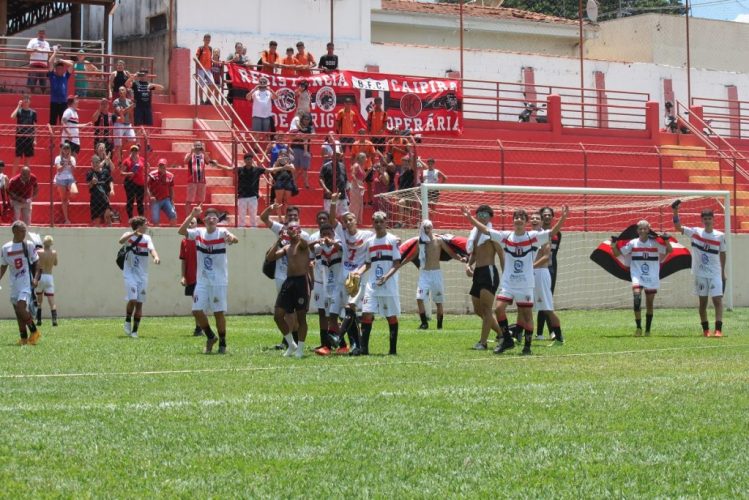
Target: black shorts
[346,142]
[189,289]
[484,278]
[143,116]
[294,294]
[24,146]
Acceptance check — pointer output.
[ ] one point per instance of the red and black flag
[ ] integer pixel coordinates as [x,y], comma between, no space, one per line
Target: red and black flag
[456,243]
[677,260]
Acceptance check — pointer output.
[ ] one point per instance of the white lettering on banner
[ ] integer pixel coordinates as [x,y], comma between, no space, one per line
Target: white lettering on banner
[323,120]
[243,75]
[432,123]
[423,87]
[369,84]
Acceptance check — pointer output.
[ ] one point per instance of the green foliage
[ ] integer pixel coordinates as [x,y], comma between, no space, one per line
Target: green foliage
[89,413]
[608,9]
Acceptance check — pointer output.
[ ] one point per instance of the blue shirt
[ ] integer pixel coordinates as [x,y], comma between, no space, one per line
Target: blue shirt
[58,86]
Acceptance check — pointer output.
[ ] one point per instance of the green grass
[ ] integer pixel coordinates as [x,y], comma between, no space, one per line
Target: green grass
[604,415]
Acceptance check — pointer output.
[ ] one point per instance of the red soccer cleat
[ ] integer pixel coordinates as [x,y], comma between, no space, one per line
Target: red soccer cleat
[342,350]
[707,333]
[718,333]
[322,351]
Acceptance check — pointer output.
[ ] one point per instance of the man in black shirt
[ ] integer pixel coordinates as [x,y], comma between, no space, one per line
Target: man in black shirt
[142,90]
[248,188]
[25,121]
[329,62]
[326,181]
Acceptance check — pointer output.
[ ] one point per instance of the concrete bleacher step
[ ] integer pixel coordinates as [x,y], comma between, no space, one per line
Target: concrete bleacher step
[711,179]
[699,165]
[687,151]
[178,126]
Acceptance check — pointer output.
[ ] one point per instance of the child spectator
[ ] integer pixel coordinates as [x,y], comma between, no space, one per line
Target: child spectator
[304,60]
[329,62]
[288,63]
[204,55]
[65,178]
[270,58]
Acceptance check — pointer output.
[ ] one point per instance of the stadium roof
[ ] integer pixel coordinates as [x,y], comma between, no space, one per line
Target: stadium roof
[471,10]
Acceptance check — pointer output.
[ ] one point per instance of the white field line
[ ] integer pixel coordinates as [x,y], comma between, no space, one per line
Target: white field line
[293,364]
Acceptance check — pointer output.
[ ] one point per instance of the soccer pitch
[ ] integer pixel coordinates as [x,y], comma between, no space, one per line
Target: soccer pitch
[91,413]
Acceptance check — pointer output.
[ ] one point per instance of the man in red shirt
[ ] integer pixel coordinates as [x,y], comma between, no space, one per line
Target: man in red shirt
[161,191]
[189,257]
[22,190]
[133,170]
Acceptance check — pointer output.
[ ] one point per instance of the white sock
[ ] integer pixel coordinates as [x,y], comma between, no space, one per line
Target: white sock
[290,340]
[300,346]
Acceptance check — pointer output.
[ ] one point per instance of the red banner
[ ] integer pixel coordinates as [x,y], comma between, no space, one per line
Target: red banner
[428,106]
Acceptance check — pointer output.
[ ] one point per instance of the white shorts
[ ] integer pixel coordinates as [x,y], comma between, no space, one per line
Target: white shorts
[384,306]
[318,296]
[544,301]
[708,287]
[122,130]
[135,290]
[46,285]
[209,298]
[21,295]
[431,284]
[523,297]
[650,285]
[335,299]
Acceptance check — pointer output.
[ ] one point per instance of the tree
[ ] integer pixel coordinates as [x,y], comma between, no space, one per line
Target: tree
[608,9]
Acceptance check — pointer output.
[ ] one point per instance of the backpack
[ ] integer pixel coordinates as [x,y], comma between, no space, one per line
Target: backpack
[124,249]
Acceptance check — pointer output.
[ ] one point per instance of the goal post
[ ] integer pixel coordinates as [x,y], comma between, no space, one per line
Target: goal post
[593,210]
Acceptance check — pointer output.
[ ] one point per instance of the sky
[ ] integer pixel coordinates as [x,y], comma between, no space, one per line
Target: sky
[730,10]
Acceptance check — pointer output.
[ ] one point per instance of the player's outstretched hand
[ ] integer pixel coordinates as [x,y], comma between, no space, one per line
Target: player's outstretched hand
[335,197]
[275,206]
[675,205]
[465,211]
[565,210]
[196,211]
[614,239]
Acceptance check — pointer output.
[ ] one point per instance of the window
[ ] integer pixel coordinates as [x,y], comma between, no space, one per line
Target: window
[157,23]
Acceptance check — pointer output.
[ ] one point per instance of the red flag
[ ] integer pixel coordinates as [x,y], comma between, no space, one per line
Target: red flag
[456,243]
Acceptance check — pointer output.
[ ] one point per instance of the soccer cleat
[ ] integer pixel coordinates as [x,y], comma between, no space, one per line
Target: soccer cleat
[718,333]
[479,347]
[541,337]
[647,333]
[322,351]
[343,350]
[127,328]
[707,333]
[54,322]
[222,349]
[355,352]
[134,335]
[506,345]
[22,341]
[299,352]
[638,332]
[209,343]
[279,347]
[34,337]
[198,332]
[38,322]
[424,326]
[526,350]
[290,351]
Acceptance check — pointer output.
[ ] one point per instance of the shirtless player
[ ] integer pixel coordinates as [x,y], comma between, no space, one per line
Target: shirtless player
[46,286]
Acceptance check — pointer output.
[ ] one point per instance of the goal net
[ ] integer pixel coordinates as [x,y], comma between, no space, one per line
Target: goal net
[595,215]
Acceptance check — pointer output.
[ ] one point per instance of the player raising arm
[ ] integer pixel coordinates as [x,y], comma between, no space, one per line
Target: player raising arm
[708,266]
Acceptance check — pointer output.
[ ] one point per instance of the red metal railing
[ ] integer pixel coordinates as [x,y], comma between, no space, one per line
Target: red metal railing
[729,118]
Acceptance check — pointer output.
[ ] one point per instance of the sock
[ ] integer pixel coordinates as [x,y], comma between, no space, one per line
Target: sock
[222,339]
[648,322]
[353,332]
[23,334]
[54,314]
[209,333]
[557,331]
[423,317]
[638,322]
[541,322]
[283,342]
[394,338]
[324,339]
[439,321]
[300,346]
[295,336]
[289,339]
[39,313]
[128,317]
[31,325]
[719,325]
[505,327]
[366,329]
[528,338]
[705,325]
[136,323]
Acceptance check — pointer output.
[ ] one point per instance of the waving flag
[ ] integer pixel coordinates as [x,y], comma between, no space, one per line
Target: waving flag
[456,243]
[677,260]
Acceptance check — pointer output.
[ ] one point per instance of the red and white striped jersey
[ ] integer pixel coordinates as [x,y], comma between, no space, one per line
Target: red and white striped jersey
[706,249]
[331,264]
[381,254]
[353,244]
[645,265]
[211,252]
[520,250]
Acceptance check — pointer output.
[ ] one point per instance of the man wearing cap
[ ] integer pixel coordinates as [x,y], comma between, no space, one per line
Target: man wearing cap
[161,191]
[58,86]
[133,170]
[22,190]
[270,58]
[142,92]
[262,106]
[39,50]
[304,60]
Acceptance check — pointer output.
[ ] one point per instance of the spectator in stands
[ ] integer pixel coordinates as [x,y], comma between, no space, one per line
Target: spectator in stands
[301,128]
[381,183]
[196,161]
[304,60]
[329,62]
[123,125]
[4,198]
[204,55]
[406,180]
[283,183]
[133,170]
[364,145]
[65,178]
[288,63]
[345,123]
[303,97]
[117,79]
[217,67]
[262,106]
[161,191]
[142,96]
[81,80]
[248,188]
[22,190]
[38,61]
[333,169]
[356,185]
[100,187]
[237,58]
[397,148]
[377,124]
[270,58]
[102,120]
[70,127]
[25,131]
[58,85]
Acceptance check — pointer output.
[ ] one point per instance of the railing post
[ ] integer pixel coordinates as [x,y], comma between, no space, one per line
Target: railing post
[235,180]
[585,184]
[51,176]
[501,162]
[146,163]
[660,179]
[497,86]
[735,200]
